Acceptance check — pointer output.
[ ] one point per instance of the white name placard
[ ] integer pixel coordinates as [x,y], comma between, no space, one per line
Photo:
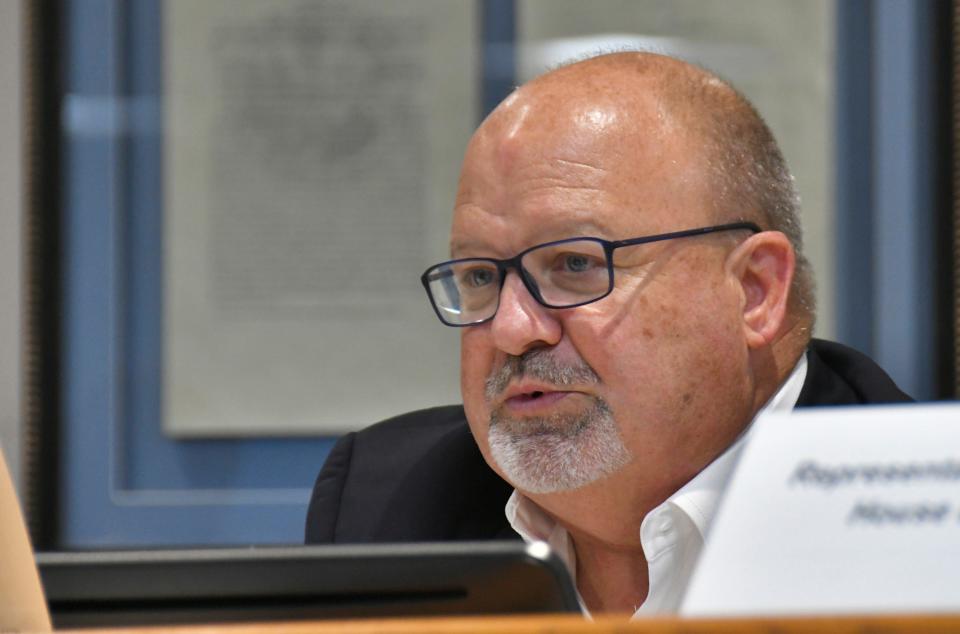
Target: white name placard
[845,510]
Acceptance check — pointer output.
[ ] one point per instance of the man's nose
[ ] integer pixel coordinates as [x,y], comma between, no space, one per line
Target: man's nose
[522,323]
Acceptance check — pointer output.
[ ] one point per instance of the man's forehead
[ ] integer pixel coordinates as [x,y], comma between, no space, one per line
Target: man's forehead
[574,143]
[542,147]
[477,233]
[577,172]
[558,129]
[534,113]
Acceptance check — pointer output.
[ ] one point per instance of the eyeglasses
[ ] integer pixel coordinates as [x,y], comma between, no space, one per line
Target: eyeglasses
[560,274]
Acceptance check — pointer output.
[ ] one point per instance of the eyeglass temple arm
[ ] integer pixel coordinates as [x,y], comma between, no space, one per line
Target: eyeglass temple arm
[750,226]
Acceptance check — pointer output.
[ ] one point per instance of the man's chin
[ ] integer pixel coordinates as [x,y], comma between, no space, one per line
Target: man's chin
[557,454]
[554,481]
[560,427]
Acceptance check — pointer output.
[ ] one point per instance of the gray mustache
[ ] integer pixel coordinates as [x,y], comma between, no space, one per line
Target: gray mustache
[541,365]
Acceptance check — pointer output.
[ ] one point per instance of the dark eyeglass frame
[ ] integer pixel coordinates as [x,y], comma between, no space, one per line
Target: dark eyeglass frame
[609,246]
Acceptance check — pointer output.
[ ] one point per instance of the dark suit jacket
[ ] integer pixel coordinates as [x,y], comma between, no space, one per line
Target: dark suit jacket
[420,476]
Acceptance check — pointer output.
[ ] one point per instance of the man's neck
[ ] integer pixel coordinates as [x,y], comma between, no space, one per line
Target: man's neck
[772,366]
[607,514]
[610,579]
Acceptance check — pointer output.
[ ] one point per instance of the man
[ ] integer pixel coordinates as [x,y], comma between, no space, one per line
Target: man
[609,379]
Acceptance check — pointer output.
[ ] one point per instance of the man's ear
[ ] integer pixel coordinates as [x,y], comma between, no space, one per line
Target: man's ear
[763,266]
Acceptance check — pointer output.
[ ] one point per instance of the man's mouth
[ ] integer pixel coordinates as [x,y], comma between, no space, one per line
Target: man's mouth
[535,400]
[530,396]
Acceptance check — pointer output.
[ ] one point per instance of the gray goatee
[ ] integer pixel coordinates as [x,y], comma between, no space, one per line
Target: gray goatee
[558,452]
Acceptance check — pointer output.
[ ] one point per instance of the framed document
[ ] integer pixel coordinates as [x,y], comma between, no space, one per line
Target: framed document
[311,155]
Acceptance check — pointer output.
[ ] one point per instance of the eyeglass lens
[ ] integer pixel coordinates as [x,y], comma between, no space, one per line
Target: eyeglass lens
[563,274]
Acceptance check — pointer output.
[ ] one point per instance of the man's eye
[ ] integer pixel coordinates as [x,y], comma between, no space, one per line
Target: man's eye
[578,263]
[478,278]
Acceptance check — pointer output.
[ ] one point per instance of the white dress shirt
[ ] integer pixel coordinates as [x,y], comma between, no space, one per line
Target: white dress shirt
[672,534]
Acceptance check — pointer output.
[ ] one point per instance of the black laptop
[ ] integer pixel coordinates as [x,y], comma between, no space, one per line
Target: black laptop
[145,587]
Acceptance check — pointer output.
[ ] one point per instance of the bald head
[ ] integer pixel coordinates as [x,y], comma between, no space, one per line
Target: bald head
[688,129]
